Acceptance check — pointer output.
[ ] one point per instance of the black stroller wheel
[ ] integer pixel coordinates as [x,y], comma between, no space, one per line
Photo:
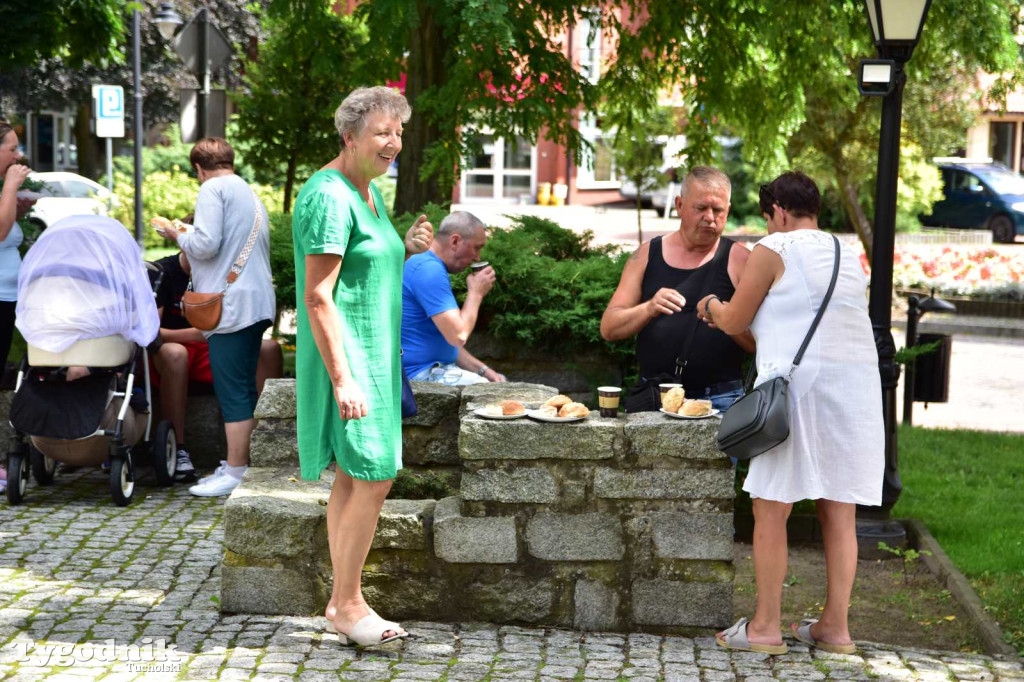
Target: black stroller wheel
[165,453]
[43,467]
[17,477]
[122,479]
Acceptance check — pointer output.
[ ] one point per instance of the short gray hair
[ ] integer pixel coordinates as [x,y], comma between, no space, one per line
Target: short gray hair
[462,223]
[350,116]
[706,176]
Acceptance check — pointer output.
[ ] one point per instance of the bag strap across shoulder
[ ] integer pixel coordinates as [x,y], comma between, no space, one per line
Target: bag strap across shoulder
[250,243]
[814,324]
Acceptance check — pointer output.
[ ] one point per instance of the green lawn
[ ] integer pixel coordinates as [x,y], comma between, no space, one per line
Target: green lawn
[968,487]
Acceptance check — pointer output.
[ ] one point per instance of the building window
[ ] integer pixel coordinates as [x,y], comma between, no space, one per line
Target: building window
[500,170]
[1001,143]
[589,35]
[596,167]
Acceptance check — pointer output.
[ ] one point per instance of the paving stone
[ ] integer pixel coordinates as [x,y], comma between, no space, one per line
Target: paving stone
[517,485]
[692,536]
[459,539]
[575,537]
[169,547]
[663,484]
[591,439]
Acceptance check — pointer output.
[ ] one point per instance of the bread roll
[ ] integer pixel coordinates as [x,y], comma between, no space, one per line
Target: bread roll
[573,410]
[558,401]
[548,410]
[695,408]
[164,225]
[672,399]
[494,410]
[161,223]
[510,407]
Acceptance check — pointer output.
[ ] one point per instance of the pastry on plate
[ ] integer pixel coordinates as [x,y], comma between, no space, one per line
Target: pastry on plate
[558,401]
[573,410]
[548,410]
[494,410]
[672,399]
[695,408]
[512,407]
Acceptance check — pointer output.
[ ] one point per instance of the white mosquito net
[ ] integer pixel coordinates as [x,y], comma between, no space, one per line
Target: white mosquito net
[84,278]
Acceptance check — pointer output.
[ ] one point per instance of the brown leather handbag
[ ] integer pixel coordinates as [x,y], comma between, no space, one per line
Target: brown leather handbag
[203,311]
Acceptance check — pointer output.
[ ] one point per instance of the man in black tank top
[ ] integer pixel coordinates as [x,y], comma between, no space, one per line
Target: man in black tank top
[659,289]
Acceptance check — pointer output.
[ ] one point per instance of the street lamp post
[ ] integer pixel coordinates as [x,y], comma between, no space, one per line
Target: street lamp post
[137,123]
[896,28]
[165,17]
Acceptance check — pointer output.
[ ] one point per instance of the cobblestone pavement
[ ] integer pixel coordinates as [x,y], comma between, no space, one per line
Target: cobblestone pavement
[79,576]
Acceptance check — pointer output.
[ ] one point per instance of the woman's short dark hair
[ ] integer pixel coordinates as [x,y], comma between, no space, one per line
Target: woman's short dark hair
[793,191]
[5,128]
[212,153]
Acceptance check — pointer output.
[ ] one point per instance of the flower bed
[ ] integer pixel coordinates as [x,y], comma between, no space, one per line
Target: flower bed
[984,274]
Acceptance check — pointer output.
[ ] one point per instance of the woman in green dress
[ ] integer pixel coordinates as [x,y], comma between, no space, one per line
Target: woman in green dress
[348,272]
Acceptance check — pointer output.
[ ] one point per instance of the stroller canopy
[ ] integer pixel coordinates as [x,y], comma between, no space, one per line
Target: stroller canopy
[84,278]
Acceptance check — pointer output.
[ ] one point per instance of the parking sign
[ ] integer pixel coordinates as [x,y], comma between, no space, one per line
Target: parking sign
[108,110]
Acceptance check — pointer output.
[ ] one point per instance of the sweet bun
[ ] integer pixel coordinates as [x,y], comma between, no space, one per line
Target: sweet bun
[548,410]
[558,401]
[672,399]
[510,407]
[494,410]
[573,410]
[695,408]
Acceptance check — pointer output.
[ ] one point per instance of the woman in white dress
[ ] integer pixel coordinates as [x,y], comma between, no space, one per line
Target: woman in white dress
[835,452]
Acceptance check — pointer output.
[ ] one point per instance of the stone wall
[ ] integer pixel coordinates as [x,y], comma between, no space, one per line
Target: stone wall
[605,524]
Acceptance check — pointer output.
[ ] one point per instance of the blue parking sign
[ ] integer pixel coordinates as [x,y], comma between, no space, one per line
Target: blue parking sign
[108,110]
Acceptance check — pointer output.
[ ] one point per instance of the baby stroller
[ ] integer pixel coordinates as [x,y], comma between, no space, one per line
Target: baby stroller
[87,312]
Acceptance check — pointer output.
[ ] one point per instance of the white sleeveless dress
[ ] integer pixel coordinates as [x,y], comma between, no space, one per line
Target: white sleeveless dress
[835,449]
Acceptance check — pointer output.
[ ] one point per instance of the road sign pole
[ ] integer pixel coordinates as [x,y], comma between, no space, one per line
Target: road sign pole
[110,173]
[203,96]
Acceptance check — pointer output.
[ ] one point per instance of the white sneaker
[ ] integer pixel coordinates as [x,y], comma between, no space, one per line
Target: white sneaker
[220,483]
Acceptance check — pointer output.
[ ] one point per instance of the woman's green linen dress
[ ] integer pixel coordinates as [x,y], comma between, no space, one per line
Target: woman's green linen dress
[331,217]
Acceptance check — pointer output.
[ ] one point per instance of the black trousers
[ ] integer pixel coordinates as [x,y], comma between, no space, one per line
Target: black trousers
[6,331]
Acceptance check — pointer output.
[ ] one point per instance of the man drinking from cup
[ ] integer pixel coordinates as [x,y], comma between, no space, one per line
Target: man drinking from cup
[434,328]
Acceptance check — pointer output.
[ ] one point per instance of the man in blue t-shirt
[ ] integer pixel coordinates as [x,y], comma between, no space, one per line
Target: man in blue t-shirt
[434,328]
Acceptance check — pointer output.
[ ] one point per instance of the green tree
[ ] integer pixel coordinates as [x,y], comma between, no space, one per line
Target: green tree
[639,155]
[74,30]
[782,76]
[312,57]
[469,65]
[64,81]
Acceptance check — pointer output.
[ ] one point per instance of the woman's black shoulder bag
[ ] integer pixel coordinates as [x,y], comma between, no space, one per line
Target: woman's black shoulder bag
[759,421]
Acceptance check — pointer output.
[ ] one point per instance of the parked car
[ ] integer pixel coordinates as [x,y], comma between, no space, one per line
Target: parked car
[979,195]
[65,194]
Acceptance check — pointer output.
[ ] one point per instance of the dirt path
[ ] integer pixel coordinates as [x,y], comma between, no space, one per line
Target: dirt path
[885,608]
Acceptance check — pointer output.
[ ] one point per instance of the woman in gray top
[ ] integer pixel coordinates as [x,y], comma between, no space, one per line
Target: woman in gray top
[226,211]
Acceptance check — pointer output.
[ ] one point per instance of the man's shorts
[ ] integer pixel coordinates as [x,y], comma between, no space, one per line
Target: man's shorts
[198,363]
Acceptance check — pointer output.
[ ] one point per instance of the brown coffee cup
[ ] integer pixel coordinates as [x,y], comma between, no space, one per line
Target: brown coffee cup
[477,267]
[608,400]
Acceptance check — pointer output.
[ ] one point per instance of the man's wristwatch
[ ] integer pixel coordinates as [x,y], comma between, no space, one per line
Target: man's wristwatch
[482,370]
